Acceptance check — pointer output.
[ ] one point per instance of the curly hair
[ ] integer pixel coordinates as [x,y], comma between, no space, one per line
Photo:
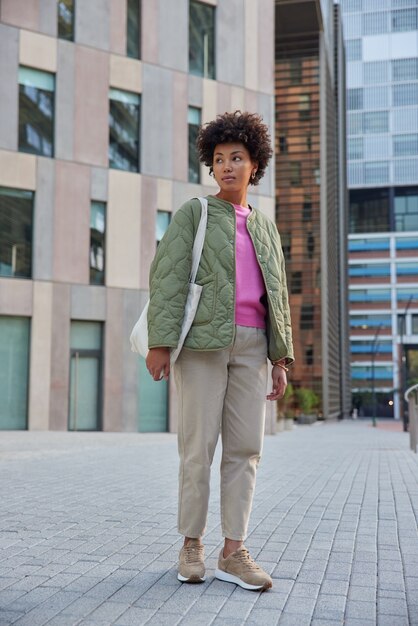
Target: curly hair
[245,128]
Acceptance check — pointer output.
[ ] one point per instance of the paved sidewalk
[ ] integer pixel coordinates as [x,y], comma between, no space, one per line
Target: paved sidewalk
[88,532]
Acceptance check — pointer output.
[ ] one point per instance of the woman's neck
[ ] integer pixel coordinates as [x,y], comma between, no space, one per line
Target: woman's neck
[234,197]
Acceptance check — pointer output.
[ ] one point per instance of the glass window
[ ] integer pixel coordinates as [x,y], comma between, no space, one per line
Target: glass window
[352,26]
[296,282]
[405,170]
[310,245]
[133,29]
[97,242]
[295,71]
[376,122]
[295,173]
[36,111]
[405,145]
[405,120]
[369,210]
[355,148]
[355,173]
[85,375]
[375,5]
[351,6]
[286,245]
[369,295]
[404,69]
[194,122]
[375,23]
[354,99]
[309,355]
[16,210]
[407,243]
[304,107]
[307,317]
[376,172]
[407,269]
[369,347]
[152,405]
[366,322]
[283,144]
[201,39]
[161,224]
[375,72]
[66,19]
[403,295]
[353,49]
[414,324]
[404,95]
[376,97]
[403,20]
[406,209]
[368,245]
[14,372]
[355,123]
[369,269]
[124,130]
[307,209]
[377,147]
[381,372]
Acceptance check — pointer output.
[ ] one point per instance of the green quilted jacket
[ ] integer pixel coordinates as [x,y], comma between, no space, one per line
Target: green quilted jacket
[213,327]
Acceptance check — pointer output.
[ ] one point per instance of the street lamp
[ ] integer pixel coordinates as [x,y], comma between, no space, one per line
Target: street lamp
[403,364]
[374,350]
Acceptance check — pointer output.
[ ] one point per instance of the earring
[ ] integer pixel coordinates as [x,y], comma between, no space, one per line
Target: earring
[253,175]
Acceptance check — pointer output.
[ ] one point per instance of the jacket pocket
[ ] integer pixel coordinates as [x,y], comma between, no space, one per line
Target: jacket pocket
[207,304]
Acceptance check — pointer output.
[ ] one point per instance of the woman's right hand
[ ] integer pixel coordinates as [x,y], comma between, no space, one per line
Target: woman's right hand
[158,363]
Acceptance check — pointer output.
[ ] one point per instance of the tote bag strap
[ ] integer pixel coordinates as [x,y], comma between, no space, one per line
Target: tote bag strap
[199,239]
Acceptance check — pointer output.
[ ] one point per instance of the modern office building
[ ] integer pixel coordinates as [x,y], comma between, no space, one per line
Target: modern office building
[311,207]
[99,105]
[381,38]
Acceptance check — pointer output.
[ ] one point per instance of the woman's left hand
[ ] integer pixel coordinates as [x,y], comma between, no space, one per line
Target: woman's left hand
[279,383]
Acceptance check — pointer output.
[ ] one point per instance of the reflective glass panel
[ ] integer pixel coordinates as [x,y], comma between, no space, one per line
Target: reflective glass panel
[194,121]
[369,269]
[404,69]
[201,39]
[133,28]
[360,245]
[36,111]
[124,116]
[161,224]
[16,218]
[406,209]
[97,242]
[376,122]
[14,372]
[404,95]
[404,20]
[66,19]
[405,145]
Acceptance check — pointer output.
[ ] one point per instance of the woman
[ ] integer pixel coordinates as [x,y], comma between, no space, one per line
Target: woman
[242,319]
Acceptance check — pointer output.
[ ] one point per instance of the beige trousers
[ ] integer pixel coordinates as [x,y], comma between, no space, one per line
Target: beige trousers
[221,391]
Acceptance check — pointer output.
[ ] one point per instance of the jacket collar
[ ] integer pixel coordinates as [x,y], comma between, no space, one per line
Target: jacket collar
[218,202]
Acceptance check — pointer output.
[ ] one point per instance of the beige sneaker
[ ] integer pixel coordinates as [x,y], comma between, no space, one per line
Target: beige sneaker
[191,563]
[241,569]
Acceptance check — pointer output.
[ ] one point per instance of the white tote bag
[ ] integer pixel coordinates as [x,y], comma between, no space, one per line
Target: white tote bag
[139,335]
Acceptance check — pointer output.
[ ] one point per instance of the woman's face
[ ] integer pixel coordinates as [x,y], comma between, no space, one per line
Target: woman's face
[232,166]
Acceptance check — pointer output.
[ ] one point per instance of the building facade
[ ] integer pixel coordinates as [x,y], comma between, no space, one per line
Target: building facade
[382,117]
[310,194]
[100,102]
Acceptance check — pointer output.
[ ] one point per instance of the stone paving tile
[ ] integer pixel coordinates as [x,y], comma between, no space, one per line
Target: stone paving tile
[334,521]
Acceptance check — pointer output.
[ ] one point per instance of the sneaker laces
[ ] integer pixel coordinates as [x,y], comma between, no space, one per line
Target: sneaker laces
[193,553]
[246,559]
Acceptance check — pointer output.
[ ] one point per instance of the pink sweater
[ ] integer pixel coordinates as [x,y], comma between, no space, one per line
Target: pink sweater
[250,288]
